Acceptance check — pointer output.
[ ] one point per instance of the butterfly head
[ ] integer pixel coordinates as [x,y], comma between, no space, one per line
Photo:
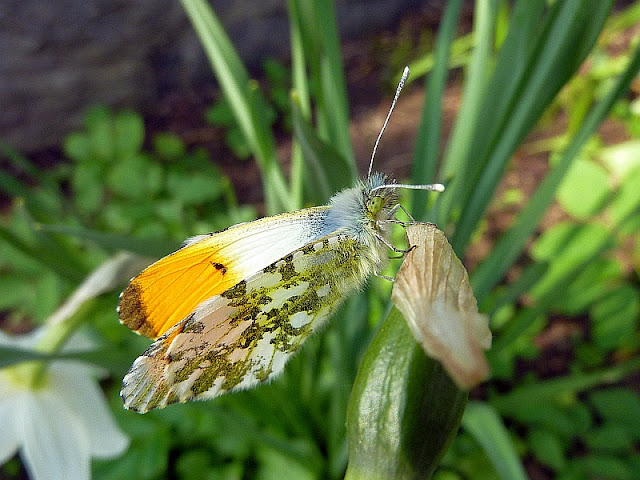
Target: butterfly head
[380,198]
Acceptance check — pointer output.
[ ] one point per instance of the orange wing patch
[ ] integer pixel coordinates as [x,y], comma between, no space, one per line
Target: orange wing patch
[170,289]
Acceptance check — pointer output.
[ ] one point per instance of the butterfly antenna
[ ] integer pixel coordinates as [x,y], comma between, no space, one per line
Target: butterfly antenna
[405,75]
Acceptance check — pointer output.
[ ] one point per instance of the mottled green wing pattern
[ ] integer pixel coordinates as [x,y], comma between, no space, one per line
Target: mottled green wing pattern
[245,335]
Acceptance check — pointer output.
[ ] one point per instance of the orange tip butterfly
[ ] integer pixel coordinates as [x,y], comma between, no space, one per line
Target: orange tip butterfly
[228,309]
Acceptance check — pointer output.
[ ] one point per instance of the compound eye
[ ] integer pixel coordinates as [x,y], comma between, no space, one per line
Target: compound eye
[374,204]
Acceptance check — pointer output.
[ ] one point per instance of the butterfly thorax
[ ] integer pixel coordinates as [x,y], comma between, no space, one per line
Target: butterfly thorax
[363,213]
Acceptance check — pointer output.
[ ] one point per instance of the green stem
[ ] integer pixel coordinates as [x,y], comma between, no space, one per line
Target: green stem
[56,336]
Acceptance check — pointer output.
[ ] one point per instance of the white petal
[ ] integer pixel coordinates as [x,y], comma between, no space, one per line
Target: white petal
[55,444]
[77,385]
[432,290]
[26,340]
[11,405]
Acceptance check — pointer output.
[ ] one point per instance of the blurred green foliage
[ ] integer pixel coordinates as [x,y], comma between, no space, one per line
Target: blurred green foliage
[119,189]
[274,107]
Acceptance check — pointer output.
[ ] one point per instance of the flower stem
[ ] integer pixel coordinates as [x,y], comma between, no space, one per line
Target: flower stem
[54,339]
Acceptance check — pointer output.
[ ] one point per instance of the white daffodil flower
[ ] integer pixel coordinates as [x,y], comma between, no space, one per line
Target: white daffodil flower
[58,424]
[55,415]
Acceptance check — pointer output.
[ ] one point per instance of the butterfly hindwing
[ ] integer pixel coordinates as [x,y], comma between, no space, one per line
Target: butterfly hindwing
[244,335]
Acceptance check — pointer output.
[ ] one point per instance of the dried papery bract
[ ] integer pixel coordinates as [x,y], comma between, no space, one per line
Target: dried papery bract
[432,291]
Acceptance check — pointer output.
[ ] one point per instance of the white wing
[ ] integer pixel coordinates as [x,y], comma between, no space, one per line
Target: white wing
[246,334]
[254,245]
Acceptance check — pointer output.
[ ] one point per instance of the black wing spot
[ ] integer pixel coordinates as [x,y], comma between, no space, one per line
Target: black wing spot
[220,267]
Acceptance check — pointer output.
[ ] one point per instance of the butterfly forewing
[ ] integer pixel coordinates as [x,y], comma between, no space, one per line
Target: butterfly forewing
[246,334]
[172,288]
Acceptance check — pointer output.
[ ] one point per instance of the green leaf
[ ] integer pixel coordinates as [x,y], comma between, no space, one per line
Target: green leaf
[547,448]
[12,356]
[404,409]
[48,291]
[220,114]
[584,189]
[634,463]
[88,186]
[619,405]
[169,146]
[592,284]
[553,240]
[100,133]
[193,464]
[234,82]
[135,177]
[602,466]
[581,417]
[128,134]
[622,158]
[335,105]
[611,437]
[484,424]
[545,414]
[148,454]
[193,188]
[77,146]
[511,403]
[627,201]
[425,155]
[274,465]
[615,318]
[514,240]
[109,359]
[512,292]
[67,269]
[567,247]
[15,293]
[237,143]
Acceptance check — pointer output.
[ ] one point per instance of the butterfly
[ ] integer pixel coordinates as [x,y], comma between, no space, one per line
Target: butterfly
[228,309]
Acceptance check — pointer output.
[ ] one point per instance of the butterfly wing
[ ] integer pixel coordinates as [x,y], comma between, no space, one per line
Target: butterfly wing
[173,287]
[244,335]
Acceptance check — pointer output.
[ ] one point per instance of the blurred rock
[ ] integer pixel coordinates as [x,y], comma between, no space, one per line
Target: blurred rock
[58,58]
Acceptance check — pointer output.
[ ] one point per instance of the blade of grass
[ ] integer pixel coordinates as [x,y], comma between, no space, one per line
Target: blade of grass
[12,356]
[529,277]
[113,242]
[511,244]
[485,425]
[546,299]
[12,186]
[513,401]
[19,161]
[326,171]
[301,88]
[326,76]
[574,30]
[62,266]
[461,49]
[236,86]
[456,154]
[425,155]
[333,83]
[503,88]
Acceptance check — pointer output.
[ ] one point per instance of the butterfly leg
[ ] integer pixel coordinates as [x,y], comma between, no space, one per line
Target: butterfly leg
[413,220]
[393,247]
[384,277]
